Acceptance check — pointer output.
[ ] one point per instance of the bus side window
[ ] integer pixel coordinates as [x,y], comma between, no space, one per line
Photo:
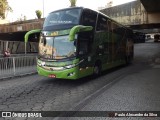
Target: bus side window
[116,28]
[109,26]
[113,27]
[102,23]
[85,41]
[83,48]
[89,18]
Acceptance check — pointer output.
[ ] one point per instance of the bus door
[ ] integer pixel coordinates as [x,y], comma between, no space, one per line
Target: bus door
[85,39]
[85,44]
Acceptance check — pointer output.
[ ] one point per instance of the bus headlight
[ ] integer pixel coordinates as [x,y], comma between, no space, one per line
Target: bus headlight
[70,66]
[73,65]
[56,68]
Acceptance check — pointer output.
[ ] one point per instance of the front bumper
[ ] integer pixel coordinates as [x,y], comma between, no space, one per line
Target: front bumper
[72,73]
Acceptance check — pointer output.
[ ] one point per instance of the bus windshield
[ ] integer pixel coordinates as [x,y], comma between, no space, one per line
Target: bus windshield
[57,47]
[70,16]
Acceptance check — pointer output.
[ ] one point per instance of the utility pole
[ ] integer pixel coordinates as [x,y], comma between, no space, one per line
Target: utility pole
[43,8]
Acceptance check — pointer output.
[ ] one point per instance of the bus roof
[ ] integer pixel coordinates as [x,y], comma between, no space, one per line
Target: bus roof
[67,9]
[83,8]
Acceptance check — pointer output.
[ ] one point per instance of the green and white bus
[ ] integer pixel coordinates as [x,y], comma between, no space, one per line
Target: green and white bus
[76,42]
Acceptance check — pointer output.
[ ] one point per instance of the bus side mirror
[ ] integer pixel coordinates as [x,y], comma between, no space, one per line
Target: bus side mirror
[29,33]
[78,28]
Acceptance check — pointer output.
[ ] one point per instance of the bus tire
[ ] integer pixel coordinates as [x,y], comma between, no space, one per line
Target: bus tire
[97,69]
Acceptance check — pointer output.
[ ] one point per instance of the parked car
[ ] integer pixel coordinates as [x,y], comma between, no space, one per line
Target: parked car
[156,37]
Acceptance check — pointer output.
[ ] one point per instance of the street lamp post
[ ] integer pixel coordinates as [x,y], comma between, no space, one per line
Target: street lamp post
[43,8]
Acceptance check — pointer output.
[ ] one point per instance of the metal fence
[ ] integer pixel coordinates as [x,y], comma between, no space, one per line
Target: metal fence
[15,66]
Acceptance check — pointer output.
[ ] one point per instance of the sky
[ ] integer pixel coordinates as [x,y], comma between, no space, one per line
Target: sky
[28,7]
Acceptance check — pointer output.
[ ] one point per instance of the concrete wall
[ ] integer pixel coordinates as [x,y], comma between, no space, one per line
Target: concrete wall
[18,47]
[132,13]
[153,17]
[21,26]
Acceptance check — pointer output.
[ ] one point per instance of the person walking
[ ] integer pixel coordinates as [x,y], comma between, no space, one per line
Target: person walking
[6,54]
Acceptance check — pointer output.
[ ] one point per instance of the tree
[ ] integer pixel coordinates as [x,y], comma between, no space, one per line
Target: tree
[4,8]
[38,13]
[110,4]
[73,3]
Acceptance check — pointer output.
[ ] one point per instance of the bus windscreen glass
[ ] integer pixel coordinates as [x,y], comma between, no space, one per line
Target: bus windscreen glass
[57,47]
[70,16]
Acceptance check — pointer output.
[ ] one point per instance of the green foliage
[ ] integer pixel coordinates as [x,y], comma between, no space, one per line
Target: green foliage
[4,8]
[38,13]
[73,3]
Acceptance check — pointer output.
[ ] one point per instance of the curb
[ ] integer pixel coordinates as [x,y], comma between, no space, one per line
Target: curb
[18,76]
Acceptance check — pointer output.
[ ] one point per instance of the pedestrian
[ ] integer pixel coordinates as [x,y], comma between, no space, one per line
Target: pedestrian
[7,54]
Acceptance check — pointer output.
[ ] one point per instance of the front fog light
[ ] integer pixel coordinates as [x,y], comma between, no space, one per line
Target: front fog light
[70,74]
[70,66]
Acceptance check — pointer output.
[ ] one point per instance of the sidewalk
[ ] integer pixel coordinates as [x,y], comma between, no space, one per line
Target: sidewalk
[17,66]
[136,92]
[9,73]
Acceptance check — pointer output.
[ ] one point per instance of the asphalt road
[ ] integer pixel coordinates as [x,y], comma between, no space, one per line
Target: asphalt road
[126,88]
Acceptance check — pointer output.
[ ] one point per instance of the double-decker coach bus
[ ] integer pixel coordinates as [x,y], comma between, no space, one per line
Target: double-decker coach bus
[77,42]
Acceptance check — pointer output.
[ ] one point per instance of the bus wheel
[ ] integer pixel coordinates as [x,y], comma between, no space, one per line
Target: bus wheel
[97,70]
